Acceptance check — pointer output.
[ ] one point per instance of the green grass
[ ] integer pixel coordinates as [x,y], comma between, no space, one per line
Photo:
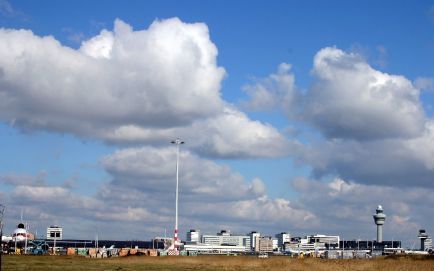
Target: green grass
[212,263]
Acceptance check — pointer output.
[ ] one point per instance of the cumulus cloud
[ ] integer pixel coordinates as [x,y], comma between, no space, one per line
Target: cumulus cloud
[152,170]
[230,134]
[373,125]
[424,83]
[81,216]
[208,191]
[24,179]
[125,86]
[142,190]
[348,98]
[277,90]
[161,76]
[351,100]
[392,162]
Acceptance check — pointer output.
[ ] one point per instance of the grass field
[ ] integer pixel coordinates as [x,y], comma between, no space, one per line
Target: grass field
[228,263]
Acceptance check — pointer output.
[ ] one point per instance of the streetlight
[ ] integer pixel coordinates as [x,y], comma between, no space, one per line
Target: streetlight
[2,211]
[177,142]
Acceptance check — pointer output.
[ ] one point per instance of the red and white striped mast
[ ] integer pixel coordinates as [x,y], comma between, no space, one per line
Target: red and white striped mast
[176,240]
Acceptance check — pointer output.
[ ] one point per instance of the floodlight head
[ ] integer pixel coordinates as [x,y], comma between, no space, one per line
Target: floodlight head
[178,141]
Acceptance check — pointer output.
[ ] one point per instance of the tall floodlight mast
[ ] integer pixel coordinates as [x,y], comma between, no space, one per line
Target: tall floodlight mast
[176,240]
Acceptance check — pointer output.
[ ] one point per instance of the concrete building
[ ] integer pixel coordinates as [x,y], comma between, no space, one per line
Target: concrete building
[226,238]
[275,244]
[193,236]
[254,241]
[428,244]
[369,245]
[283,238]
[54,232]
[313,242]
[265,244]
[323,241]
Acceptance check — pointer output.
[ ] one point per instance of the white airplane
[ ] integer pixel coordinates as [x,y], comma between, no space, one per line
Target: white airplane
[21,235]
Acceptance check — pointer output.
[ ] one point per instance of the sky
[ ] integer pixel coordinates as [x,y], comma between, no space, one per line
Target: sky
[298,116]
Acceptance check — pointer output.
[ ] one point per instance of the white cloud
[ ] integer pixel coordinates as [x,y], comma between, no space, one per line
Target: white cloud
[163,76]
[329,207]
[99,46]
[350,99]
[126,86]
[258,187]
[277,90]
[373,126]
[424,83]
[152,170]
[24,179]
[208,191]
[141,196]
[230,134]
[392,162]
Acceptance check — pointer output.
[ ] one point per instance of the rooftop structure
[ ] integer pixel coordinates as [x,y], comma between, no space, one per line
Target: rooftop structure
[54,232]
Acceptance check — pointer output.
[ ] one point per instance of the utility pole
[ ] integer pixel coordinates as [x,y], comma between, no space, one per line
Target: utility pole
[2,211]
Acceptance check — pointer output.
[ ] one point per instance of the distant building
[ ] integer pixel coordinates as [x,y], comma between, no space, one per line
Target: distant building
[265,244]
[193,236]
[275,244]
[226,238]
[254,241]
[283,238]
[428,243]
[323,241]
[54,232]
[369,244]
[313,242]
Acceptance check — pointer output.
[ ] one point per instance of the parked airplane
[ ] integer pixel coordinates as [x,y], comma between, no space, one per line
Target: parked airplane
[21,234]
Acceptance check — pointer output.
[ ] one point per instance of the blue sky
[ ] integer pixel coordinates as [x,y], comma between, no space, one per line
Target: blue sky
[303,107]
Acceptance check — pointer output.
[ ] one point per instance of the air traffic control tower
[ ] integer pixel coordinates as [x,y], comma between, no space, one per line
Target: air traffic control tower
[422,236]
[379,219]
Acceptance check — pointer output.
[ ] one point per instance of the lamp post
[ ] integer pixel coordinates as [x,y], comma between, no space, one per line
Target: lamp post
[177,142]
[2,211]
